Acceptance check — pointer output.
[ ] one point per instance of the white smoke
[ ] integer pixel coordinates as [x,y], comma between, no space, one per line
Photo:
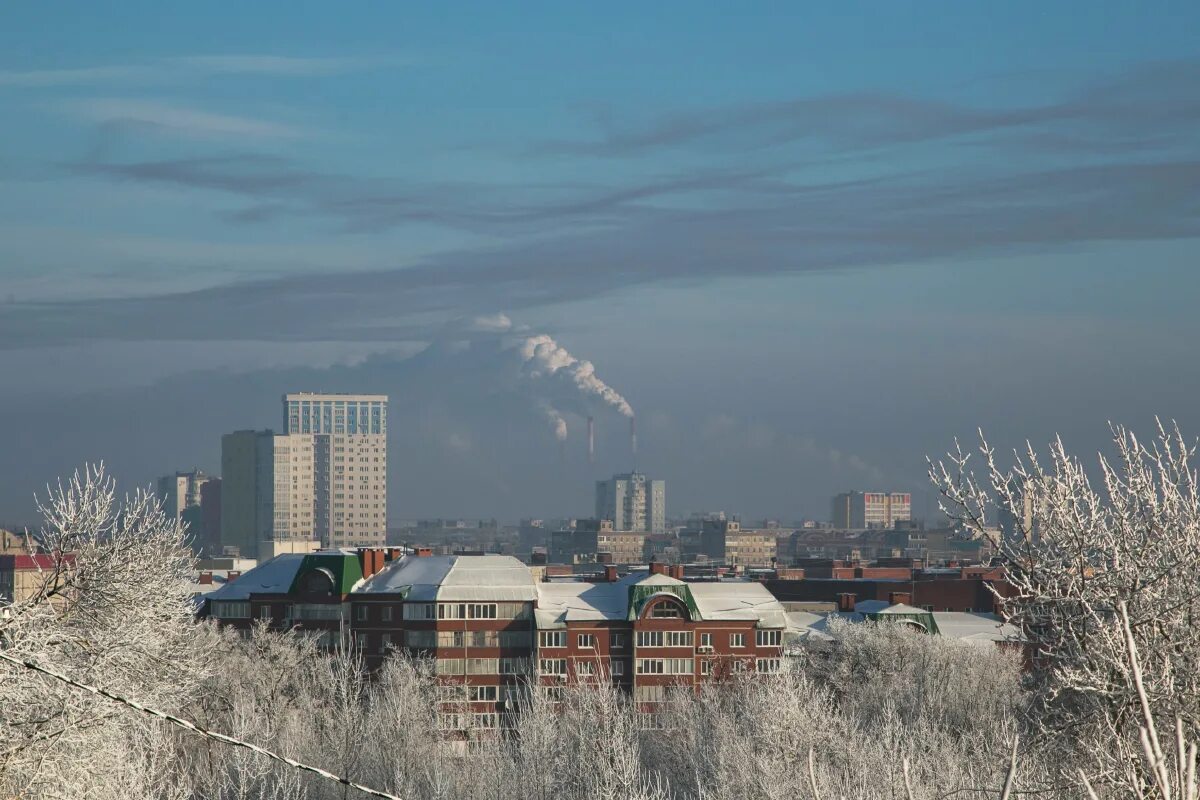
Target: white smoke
[556,420]
[545,358]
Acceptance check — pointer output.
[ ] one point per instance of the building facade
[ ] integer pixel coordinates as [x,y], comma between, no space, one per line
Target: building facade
[267,492]
[871,509]
[349,435]
[490,627]
[633,502]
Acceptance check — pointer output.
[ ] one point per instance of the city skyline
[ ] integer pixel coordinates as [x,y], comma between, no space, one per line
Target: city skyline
[806,245]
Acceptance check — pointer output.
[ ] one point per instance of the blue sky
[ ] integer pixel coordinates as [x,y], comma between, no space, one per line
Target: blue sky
[809,244]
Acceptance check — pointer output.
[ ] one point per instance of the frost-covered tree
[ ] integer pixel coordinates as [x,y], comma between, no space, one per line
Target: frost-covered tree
[111,605]
[1079,549]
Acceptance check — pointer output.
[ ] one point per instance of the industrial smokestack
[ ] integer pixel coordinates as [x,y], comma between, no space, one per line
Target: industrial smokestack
[633,436]
[591,440]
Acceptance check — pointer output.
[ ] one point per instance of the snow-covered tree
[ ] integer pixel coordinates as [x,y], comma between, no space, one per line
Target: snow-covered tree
[1076,552]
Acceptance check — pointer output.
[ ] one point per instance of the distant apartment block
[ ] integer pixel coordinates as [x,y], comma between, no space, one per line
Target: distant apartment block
[724,541]
[871,509]
[594,541]
[349,440]
[181,491]
[267,497]
[633,502]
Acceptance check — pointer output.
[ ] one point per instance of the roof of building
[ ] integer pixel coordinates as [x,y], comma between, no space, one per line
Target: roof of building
[271,577]
[973,628]
[449,578]
[560,603]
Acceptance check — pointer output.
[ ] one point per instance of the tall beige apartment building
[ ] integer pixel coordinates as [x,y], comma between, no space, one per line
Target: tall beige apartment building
[871,509]
[267,497]
[349,485]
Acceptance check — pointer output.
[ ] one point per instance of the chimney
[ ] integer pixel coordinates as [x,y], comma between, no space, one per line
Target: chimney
[232,575]
[677,571]
[846,601]
[900,598]
[205,578]
[610,573]
[658,568]
[371,560]
[633,437]
[424,552]
[591,440]
[394,553]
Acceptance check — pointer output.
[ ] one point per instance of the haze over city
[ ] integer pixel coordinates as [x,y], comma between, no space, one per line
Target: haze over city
[806,249]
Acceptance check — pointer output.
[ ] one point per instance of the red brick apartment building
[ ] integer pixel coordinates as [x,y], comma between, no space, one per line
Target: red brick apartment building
[490,628]
[956,589]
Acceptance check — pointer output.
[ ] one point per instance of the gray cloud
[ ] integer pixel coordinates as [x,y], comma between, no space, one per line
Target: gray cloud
[168,70]
[883,221]
[1142,99]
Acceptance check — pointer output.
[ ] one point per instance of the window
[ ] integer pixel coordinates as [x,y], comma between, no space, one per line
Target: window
[487,720]
[385,643]
[767,665]
[514,666]
[617,641]
[585,668]
[587,641]
[448,666]
[418,611]
[706,640]
[264,612]
[481,611]
[649,638]
[769,638]
[361,613]
[616,668]
[231,609]
[650,666]
[737,640]
[515,639]
[650,694]
[666,609]
[360,640]
[385,613]
[706,667]
[484,694]
[553,666]
[552,639]
[679,638]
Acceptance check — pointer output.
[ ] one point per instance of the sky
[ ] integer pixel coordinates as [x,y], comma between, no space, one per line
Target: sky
[805,245]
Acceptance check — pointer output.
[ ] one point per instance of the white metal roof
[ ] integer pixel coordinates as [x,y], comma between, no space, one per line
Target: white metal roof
[271,577]
[959,625]
[559,603]
[449,578]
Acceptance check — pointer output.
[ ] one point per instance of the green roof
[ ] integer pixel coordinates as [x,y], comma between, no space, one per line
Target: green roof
[344,567]
[640,594]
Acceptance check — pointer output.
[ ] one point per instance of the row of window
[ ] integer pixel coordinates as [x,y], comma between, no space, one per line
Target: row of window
[557,667]
[665,666]
[587,641]
[427,640]
[665,638]
[428,611]
[481,666]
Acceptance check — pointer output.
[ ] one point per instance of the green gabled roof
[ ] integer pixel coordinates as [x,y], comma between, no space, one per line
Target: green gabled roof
[639,594]
[344,567]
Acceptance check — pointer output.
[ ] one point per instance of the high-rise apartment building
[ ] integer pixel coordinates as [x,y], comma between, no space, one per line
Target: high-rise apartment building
[633,503]
[267,499]
[349,484]
[181,491]
[871,509]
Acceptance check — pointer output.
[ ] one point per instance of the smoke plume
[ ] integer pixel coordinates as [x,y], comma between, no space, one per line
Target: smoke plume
[546,359]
